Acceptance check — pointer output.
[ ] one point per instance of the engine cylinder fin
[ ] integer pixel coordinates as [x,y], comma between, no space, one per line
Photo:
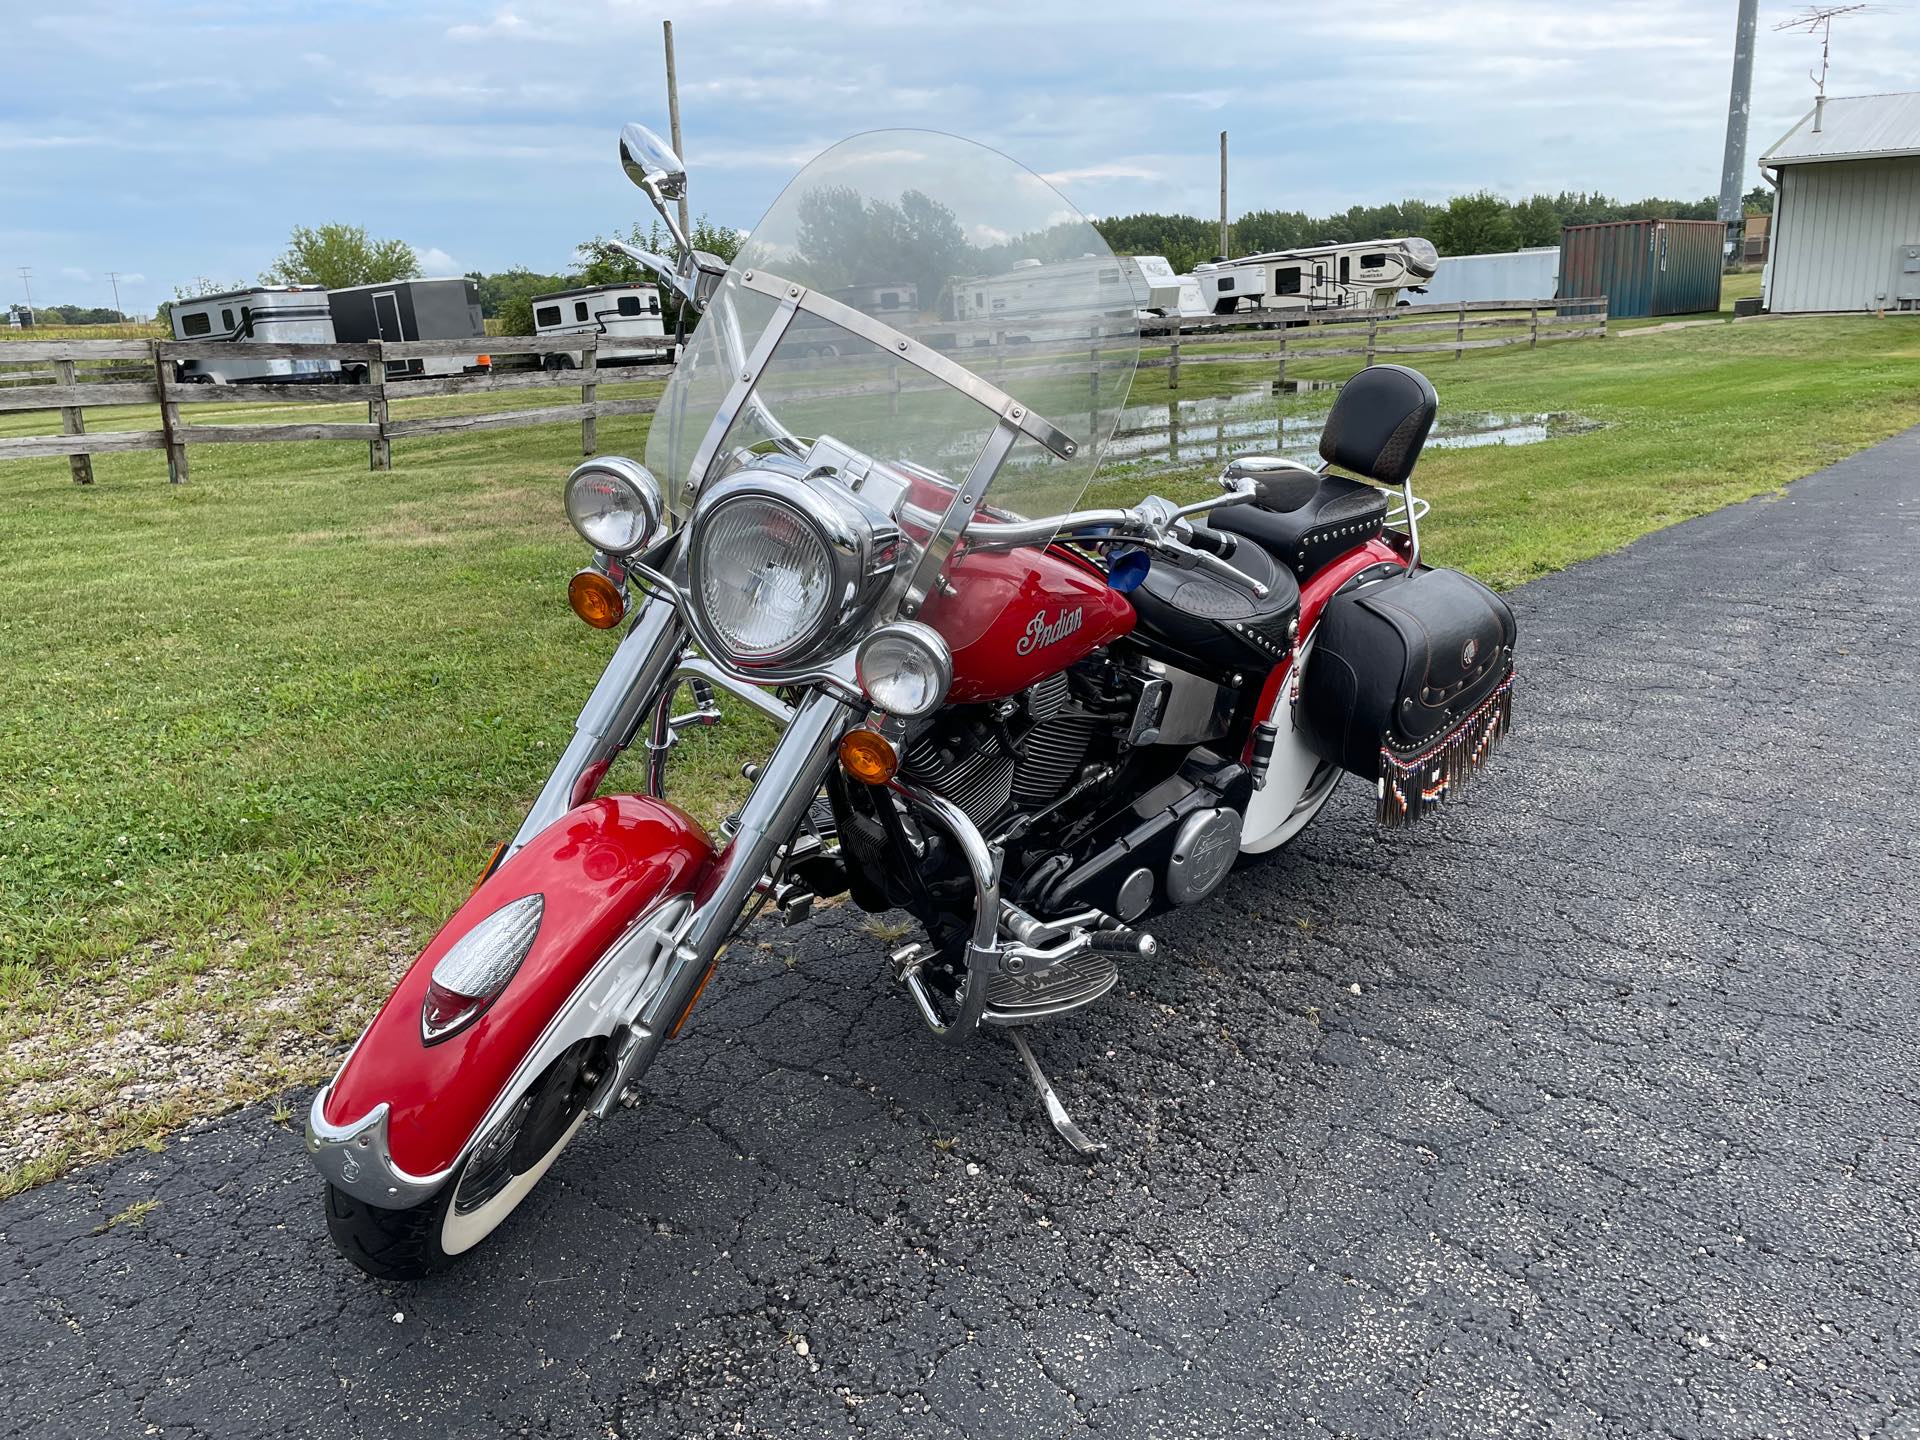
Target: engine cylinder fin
[980,783]
[1053,755]
[1048,698]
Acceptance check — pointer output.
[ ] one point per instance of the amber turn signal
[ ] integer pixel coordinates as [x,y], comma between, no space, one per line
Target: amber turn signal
[493,864]
[868,756]
[596,599]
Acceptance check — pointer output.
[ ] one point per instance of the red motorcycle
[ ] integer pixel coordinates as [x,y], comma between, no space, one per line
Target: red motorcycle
[1032,727]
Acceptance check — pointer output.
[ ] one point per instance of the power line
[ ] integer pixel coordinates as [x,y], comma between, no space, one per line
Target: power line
[113,278]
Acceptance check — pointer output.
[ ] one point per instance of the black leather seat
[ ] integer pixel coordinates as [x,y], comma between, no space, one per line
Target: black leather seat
[1342,514]
[1377,428]
[1219,625]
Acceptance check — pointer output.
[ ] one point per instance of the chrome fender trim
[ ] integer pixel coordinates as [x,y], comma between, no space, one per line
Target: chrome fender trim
[357,1159]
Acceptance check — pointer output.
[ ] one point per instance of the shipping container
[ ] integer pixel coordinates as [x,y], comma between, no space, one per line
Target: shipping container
[1644,267]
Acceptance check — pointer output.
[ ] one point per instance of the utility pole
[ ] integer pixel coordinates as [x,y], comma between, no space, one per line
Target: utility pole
[26,279]
[673,125]
[113,278]
[1226,251]
[1739,102]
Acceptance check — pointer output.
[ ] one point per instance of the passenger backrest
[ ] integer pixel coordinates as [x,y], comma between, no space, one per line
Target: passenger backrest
[1379,423]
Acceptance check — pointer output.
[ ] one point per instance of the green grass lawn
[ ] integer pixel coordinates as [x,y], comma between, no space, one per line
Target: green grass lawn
[261,730]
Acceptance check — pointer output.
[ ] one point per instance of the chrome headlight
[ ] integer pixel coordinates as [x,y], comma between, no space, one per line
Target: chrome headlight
[615,504]
[778,565]
[905,668]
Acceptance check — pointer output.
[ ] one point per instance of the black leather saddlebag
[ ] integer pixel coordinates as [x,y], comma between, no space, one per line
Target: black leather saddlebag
[1409,684]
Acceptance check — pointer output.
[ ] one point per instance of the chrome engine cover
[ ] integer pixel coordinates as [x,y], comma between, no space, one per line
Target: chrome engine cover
[1204,850]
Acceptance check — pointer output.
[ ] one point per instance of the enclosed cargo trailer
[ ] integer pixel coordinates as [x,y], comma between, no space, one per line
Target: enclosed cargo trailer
[440,309]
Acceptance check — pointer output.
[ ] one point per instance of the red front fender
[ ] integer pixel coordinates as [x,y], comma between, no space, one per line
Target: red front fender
[599,867]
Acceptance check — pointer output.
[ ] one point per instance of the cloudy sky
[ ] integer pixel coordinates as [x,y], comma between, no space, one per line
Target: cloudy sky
[173,140]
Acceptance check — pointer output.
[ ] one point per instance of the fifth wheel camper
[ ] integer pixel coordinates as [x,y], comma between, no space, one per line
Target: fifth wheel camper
[1362,275]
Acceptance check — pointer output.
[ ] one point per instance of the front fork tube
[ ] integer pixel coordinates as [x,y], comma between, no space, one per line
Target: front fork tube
[612,715]
[773,812]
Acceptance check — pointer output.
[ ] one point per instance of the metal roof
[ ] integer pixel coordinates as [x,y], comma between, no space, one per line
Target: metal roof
[1852,127]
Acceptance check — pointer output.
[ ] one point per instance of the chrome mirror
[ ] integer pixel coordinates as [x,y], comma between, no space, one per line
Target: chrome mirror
[651,164]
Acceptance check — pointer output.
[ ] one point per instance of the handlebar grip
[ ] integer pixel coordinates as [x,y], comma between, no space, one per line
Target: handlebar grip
[1213,542]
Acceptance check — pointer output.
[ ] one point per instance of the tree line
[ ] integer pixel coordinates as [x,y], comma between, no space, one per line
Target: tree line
[1478,224]
[338,256]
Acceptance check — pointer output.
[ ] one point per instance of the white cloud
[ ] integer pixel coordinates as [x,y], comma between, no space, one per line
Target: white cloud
[1106,170]
[435,261]
[504,22]
[75,274]
[493,120]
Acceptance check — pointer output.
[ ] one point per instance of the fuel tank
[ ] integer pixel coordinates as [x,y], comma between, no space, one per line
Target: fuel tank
[1012,619]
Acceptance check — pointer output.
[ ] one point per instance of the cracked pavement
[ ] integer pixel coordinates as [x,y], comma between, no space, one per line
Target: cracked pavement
[1585,1110]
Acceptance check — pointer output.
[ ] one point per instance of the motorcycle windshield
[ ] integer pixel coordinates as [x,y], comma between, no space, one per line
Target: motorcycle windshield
[943,241]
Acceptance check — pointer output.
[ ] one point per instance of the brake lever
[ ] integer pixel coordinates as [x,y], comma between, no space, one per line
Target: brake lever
[1221,570]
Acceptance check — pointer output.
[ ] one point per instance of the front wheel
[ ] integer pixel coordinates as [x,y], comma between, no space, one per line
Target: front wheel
[489,1185]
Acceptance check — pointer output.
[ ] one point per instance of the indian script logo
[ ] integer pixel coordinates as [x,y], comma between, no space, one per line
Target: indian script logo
[1039,632]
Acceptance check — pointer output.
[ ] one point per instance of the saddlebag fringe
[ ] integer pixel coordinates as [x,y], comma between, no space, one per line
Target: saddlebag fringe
[1413,784]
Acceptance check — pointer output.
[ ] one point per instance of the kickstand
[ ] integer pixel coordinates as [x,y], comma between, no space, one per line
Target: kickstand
[1056,1112]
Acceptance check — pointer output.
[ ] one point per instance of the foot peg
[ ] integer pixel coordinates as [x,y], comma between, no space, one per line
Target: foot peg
[1056,1112]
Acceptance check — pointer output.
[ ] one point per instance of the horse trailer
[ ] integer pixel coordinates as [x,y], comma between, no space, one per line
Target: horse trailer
[276,314]
[447,309]
[1362,275]
[624,316]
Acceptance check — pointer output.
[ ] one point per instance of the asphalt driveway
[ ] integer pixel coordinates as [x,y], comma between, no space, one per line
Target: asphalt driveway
[1591,1109]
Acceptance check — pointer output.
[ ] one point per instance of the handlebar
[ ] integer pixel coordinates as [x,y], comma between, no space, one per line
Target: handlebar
[1154,523]
[1213,542]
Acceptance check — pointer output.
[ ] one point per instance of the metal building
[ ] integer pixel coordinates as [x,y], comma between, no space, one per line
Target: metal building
[1846,223]
[1644,267]
[1512,275]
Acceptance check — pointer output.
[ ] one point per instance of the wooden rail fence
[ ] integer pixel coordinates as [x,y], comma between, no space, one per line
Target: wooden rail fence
[133,372]
[142,372]
[1300,336]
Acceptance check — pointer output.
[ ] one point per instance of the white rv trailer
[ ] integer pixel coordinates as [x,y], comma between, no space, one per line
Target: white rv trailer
[1362,275]
[280,314]
[1155,284]
[1146,282]
[617,313]
[1515,275]
[903,296]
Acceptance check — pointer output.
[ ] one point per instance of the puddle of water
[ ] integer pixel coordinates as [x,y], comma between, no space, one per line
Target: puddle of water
[1222,426]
